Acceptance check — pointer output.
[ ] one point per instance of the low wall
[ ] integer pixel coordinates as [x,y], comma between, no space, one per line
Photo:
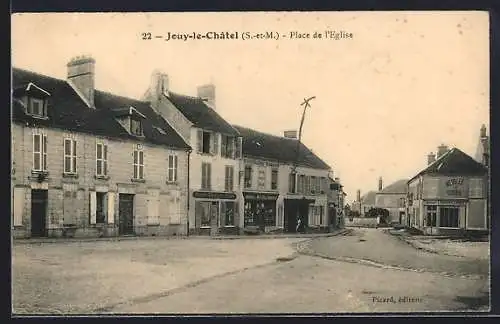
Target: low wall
[360,222]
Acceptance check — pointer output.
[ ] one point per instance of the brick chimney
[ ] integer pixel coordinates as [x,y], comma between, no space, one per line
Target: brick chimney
[290,134]
[380,184]
[207,92]
[81,76]
[431,157]
[442,149]
[159,84]
[358,195]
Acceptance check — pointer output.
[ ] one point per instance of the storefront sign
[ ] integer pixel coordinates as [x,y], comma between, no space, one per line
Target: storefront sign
[259,196]
[214,195]
[454,187]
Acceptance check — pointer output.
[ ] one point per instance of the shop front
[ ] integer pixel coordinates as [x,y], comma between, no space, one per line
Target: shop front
[260,211]
[297,209]
[215,213]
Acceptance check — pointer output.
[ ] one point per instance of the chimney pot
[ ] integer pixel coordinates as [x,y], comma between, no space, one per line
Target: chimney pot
[483,131]
[81,74]
[442,149]
[159,83]
[431,158]
[207,92]
[290,134]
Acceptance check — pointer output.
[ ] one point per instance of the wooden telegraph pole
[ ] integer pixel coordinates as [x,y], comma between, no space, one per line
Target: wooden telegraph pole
[306,105]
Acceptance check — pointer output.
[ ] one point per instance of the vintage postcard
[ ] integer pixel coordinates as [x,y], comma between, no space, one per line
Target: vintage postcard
[250,162]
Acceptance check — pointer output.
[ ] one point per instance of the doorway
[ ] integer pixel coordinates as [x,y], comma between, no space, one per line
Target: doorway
[39,202]
[126,214]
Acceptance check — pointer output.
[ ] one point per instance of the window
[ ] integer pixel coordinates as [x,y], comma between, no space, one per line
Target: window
[101,160]
[301,183]
[262,178]
[228,147]
[206,141]
[36,107]
[229,179]
[70,156]
[206,170]
[172,168]
[316,215]
[431,215]
[248,176]
[274,179]
[402,202]
[448,217]
[291,182]
[228,210]
[238,148]
[313,185]
[39,152]
[136,127]
[307,186]
[138,164]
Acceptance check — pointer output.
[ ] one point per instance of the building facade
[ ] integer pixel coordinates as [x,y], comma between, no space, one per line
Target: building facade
[89,163]
[281,187]
[336,203]
[393,198]
[450,195]
[215,196]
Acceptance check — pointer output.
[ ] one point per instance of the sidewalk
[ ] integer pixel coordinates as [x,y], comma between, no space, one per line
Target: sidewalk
[191,237]
[445,245]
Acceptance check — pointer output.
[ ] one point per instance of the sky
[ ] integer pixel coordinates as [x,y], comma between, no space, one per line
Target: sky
[402,85]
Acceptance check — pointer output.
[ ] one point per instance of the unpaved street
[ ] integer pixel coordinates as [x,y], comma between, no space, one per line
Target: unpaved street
[365,271]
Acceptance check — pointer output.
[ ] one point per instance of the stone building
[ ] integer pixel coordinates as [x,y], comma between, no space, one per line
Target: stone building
[274,196]
[450,195]
[89,163]
[214,177]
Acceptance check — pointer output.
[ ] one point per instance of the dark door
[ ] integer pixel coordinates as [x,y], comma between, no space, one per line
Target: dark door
[332,215]
[39,200]
[126,214]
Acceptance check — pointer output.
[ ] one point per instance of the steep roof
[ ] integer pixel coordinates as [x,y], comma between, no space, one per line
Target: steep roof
[454,163]
[200,114]
[369,198]
[398,187]
[281,149]
[68,111]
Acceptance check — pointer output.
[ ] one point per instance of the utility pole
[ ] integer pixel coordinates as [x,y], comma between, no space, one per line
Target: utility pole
[306,105]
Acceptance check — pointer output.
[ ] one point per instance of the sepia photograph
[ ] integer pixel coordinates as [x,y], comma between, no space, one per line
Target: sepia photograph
[250,163]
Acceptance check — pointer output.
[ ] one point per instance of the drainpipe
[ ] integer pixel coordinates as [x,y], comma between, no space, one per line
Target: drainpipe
[188,194]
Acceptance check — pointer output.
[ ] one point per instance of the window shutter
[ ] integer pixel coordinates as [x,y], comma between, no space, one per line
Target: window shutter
[199,140]
[111,207]
[176,163]
[18,207]
[215,143]
[209,176]
[93,205]
[238,148]
[174,208]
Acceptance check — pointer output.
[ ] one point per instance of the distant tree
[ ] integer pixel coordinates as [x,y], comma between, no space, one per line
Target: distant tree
[376,212]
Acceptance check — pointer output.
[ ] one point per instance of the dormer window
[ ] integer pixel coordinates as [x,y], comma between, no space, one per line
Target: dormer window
[34,99]
[136,127]
[37,107]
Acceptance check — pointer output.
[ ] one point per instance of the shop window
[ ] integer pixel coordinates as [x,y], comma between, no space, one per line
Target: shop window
[431,215]
[228,210]
[249,216]
[448,217]
[202,210]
